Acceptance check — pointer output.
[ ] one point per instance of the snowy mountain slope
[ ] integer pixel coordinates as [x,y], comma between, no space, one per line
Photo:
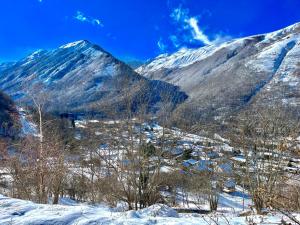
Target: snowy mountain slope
[78,75]
[4,66]
[225,78]
[184,57]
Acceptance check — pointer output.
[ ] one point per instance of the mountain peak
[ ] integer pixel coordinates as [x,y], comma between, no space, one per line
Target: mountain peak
[83,45]
[80,43]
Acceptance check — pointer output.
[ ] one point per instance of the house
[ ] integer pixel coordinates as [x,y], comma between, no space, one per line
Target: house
[189,163]
[229,185]
[204,165]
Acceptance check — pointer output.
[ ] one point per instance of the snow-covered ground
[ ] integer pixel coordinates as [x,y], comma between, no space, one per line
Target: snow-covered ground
[231,205]
[14,211]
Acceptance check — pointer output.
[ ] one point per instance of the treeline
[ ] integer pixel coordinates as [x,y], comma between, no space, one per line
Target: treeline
[9,118]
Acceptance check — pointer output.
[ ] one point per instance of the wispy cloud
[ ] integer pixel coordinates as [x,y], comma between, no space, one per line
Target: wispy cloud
[197,32]
[189,31]
[179,14]
[174,40]
[161,45]
[182,18]
[85,19]
[221,38]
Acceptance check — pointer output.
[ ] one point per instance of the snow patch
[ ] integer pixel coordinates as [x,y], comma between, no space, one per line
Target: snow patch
[72,44]
[158,210]
[28,127]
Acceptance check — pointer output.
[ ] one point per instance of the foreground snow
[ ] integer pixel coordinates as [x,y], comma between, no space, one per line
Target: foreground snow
[14,211]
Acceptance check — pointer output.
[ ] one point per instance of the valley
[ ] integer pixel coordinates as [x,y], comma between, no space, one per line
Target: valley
[208,135]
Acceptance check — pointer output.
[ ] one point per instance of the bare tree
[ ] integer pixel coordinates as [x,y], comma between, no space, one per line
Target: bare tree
[264,137]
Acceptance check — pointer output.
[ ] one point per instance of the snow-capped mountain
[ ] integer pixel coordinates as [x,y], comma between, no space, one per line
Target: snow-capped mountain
[80,75]
[261,68]
[184,57]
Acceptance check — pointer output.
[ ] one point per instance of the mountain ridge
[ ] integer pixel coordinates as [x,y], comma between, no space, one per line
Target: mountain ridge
[207,49]
[224,79]
[80,75]
[219,80]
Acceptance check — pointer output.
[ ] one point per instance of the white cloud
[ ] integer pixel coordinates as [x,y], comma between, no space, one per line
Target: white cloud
[79,16]
[179,14]
[82,18]
[96,21]
[174,40]
[162,47]
[221,38]
[197,33]
[189,31]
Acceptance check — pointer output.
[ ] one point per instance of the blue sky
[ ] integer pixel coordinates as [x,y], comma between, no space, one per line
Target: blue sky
[136,29]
